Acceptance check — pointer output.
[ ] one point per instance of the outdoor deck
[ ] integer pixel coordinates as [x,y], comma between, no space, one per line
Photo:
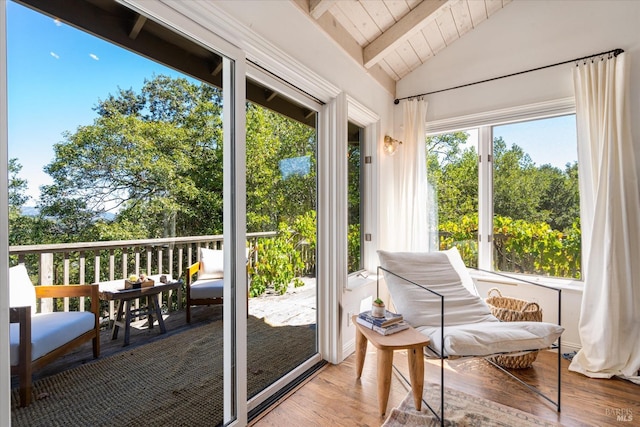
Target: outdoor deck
[175,323]
[296,307]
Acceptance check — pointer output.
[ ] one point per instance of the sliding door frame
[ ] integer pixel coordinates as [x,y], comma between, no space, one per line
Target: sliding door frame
[5,370]
[234,196]
[256,74]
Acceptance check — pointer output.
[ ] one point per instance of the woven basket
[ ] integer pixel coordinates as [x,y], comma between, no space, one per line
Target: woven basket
[509,309]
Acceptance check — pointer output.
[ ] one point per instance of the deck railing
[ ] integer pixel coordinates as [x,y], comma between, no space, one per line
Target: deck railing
[93,262]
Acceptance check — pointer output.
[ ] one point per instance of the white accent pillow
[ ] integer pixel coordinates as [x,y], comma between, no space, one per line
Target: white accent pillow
[21,290]
[435,271]
[211,264]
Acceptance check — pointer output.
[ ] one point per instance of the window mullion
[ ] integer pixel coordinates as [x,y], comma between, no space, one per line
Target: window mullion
[485,197]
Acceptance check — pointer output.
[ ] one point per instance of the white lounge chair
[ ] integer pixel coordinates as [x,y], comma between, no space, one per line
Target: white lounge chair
[437,296]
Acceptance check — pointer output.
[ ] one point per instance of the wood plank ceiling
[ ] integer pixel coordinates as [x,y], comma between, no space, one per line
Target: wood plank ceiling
[397,36]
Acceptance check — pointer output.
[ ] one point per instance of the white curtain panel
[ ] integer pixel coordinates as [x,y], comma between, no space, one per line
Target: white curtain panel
[409,218]
[610,215]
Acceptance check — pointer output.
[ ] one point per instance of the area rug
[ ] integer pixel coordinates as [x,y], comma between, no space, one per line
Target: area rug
[461,409]
[176,381]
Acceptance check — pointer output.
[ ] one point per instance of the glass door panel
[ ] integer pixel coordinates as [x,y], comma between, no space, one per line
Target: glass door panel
[128,164]
[281,233]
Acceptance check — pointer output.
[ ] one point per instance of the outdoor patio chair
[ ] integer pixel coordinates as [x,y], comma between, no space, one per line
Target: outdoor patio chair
[436,295]
[36,339]
[208,288]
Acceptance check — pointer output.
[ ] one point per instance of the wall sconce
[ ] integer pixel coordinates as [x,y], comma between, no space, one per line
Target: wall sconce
[390,145]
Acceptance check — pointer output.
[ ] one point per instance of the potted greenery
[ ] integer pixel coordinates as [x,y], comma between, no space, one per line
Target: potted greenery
[378,308]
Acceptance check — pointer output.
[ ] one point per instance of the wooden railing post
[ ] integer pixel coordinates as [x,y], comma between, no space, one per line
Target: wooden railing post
[46,278]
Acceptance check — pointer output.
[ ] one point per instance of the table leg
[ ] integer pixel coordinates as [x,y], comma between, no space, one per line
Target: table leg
[127,322]
[150,310]
[156,306]
[361,352]
[416,374]
[117,320]
[385,362]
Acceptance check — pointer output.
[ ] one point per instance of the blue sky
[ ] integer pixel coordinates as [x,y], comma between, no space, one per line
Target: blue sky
[56,75]
[545,141]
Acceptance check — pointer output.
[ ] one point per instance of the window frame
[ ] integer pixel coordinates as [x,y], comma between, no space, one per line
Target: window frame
[485,122]
[369,122]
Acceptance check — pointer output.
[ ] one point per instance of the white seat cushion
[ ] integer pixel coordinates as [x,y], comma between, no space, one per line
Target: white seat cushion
[203,289]
[50,331]
[487,338]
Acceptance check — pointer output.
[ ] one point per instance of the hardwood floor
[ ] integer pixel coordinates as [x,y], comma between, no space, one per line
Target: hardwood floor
[334,396]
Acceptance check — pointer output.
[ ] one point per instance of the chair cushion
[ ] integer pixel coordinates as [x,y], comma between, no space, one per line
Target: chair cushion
[50,331]
[487,338]
[211,264]
[203,289]
[21,290]
[434,270]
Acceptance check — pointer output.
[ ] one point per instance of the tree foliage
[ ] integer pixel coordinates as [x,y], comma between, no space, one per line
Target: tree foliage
[155,158]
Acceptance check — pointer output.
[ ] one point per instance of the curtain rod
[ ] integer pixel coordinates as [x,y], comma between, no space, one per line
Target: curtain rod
[615,53]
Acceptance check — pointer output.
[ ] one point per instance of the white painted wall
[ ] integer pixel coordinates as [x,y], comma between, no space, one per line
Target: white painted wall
[528,34]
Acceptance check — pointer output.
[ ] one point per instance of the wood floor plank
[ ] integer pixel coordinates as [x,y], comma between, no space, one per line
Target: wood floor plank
[334,397]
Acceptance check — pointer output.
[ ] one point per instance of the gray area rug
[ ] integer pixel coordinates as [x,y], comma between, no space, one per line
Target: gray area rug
[176,381]
[461,409]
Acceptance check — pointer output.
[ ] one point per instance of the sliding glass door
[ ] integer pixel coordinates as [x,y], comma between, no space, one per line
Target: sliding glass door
[281,180]
[133,156]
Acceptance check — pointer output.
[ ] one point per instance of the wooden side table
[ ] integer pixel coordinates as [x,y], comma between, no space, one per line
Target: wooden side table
[410,340]
[124,298]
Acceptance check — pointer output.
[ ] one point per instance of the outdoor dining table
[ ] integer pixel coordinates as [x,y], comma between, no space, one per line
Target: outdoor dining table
[114,291]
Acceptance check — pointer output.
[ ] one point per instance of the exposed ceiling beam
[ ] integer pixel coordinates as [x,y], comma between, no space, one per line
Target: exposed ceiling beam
[270,94]
[137,27]
[216,68]
[317,8]
[402,30]
[346,42]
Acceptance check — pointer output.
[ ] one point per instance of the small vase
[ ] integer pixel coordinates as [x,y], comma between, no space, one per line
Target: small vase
[378,310]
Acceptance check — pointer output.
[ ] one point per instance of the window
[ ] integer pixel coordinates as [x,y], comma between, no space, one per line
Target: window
[508,195]
[355,148]
[452,171]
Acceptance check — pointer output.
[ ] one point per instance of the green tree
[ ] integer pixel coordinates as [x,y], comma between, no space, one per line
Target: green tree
[17,186]
[155,157]
[452,168]
[272,195]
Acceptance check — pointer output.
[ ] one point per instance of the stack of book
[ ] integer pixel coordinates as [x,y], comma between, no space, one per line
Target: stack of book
[387,325]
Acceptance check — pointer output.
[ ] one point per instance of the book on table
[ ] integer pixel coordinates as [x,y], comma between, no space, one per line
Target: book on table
[388,319]
[384,330]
